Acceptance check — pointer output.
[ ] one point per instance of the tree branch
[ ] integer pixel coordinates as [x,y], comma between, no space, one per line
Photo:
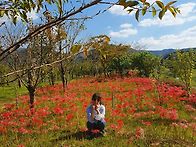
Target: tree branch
[38,67]
[15,46]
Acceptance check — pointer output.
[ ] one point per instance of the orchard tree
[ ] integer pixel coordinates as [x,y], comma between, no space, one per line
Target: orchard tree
[10,34]
[15,9]
[105,51]
[181,64]
[120,64]
[145,62]
[68,45]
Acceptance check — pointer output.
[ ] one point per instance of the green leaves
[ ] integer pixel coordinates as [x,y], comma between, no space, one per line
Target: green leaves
[126,4]
[160,4]
[75,48]
[164,9]
[144,10]
[143,6]
[170,3]
[172,11]
[162,13]
[137,15]
[131,3]
[19,8]
[2,12]
[154,12]
[122,2]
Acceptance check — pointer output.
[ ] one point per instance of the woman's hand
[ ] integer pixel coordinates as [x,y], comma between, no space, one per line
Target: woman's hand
[95,107]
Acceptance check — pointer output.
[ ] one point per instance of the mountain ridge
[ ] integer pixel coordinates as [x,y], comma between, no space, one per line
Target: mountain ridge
[166,52]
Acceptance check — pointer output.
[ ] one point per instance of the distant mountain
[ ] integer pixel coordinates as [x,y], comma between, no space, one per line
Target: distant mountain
[165,52]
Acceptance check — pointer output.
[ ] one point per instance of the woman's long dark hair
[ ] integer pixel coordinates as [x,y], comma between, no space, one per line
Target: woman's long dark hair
[97,96]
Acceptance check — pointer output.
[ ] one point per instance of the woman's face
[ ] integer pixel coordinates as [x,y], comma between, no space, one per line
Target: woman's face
[96,102]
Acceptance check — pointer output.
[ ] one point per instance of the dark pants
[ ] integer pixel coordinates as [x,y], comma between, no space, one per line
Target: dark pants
[96,126]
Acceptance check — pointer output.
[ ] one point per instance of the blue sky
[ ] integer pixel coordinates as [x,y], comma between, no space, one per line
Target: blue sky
[150,33]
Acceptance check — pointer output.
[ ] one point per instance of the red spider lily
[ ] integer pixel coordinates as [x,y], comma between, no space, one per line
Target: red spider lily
[142,114]
[9,106]
[83,129]
[95,131]
[190,99]
[42,112]
[21,145]
[139,133]
[168,113]
[147,123]
[113,126]
[23,131]
[7,115]
[108,99]
[84,106]
[55,127]
[181,125]
[115,112]
[120,124]
[193,126]
[69,117]
[37,121]
[2,129]
[58,110]
[4,122]
[190,108]
[22,121]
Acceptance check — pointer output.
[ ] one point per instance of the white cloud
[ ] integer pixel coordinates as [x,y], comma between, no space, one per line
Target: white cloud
[187,15]
[3,19]
[32,15]
[125,31]
[182,40]
[150,1]
[126,25]
[119,10]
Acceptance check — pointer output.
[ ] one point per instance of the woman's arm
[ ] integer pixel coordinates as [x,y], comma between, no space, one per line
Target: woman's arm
[102,111]
[92,112]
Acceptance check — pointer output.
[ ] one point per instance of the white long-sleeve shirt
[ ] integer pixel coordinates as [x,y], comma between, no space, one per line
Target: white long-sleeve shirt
[100,116]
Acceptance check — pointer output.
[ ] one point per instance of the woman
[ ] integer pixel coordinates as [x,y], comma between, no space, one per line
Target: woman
[96,114]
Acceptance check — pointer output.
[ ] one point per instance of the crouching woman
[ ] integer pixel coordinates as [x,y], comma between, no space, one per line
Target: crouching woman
[96,114]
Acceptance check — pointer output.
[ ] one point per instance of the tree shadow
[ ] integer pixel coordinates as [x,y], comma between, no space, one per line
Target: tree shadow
[80,135]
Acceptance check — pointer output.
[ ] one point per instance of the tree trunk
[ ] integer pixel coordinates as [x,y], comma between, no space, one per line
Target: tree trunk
[31,90]
[52,77]
[19,83]
[63,76]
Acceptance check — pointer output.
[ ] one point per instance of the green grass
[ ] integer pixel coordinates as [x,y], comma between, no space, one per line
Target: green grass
[194,79]
[8,93]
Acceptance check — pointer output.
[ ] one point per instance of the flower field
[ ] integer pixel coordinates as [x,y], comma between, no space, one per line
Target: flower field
[139,112]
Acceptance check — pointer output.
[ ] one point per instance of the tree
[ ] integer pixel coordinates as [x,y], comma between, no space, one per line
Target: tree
[146,63]
[120,64]
[14,8]
[67,45]
[181,64]
[10,34]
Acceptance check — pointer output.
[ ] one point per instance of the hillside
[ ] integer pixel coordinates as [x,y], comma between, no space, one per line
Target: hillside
[166,52]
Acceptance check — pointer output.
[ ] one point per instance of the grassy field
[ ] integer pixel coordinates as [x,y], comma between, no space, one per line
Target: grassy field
[194,79]
[138,113]
[9,93]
